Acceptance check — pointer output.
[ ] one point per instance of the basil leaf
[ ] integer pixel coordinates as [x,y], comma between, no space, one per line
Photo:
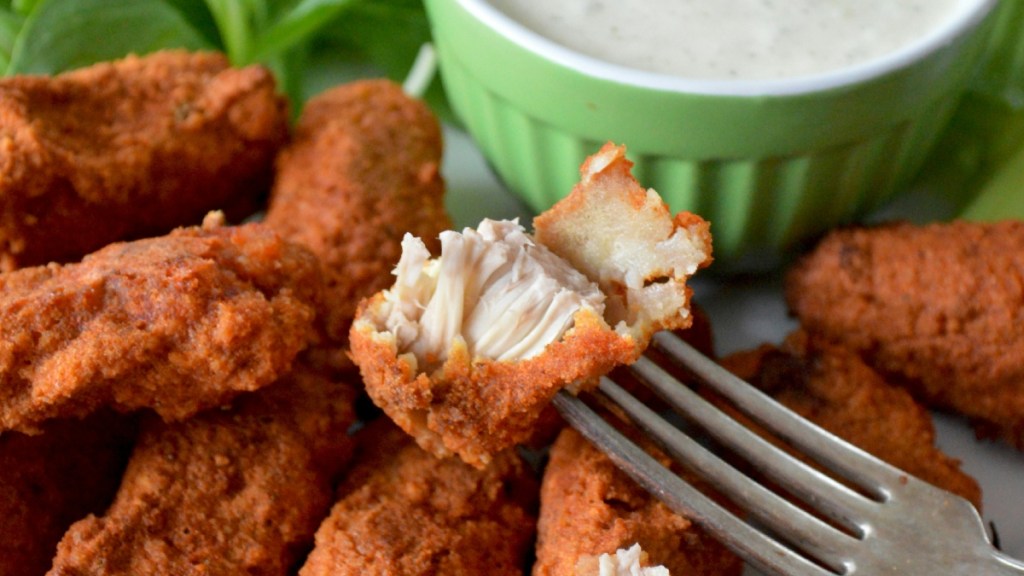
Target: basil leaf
[23,7]
[198,15]
[234,20]
[10,26]
[64,34]
[298,25]
[389,33]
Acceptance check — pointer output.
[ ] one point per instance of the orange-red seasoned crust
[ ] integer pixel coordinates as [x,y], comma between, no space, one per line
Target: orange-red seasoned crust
[589,507]
[466,349]
[235,491]
[476,408]
[937,308]
[53,479]
[177,323]
[403,512]
[361,171]
[131,148]
[832,387]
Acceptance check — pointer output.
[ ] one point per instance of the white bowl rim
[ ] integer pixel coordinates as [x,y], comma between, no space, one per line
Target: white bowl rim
[970,14]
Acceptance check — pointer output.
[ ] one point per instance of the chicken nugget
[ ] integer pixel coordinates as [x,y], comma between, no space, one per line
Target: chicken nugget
[51,480]
[590,508]
[131,148]
[465,351]
[935,308]
[228,492]
[402,511]
[177,324]
[832,387]
[361,171]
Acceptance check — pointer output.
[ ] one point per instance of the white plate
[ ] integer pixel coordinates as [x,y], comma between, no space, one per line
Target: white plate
[745,315]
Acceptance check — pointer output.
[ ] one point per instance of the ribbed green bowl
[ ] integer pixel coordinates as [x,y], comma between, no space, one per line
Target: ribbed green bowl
[768,171]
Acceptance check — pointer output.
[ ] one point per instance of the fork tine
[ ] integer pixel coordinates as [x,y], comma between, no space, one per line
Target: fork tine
[811,535]
[826,495]
[758,549]
[832,452]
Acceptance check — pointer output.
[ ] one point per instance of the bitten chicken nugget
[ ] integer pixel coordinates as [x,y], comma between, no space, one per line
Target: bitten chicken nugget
[403,512]
[832,387]
[465,351]
[177,324]
[361,171]
[936,308]
[131,148]
[49,481]
[590,508]
[228,492]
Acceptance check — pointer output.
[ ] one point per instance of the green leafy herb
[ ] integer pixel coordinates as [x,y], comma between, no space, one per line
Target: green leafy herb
[295,38]
[58,35]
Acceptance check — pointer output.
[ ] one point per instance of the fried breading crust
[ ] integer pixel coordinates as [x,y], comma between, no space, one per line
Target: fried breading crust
[936,308]
[832,387]
[403,512]
[475,406]
[360,172]
[589,507]
[51,480]
[177,323]
[475,409]
[228,492]
[129,149]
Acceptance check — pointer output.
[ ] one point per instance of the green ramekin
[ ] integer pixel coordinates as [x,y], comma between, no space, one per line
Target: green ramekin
[769,166]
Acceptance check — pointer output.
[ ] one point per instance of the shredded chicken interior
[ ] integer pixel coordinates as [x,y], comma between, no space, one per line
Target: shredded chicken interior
[622,563]
[494,288]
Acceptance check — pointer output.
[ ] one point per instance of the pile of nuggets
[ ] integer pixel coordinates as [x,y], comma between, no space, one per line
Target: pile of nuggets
[183,396]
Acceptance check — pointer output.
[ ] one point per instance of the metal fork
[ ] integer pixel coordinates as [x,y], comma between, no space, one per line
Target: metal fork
[892,523]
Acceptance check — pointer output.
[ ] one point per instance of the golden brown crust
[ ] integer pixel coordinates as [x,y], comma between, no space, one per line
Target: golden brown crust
[362,170]
[609,239]
[936,308]
[833,388]
[177,323]
[130,148]
[237,491]
[49,481]
[472,407]
[589,507]
[403,512]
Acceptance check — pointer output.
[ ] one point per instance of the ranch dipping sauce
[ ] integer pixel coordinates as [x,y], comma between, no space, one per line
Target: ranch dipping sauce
[734,39]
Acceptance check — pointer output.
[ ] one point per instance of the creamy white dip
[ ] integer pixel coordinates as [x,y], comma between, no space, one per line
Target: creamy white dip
[734,39]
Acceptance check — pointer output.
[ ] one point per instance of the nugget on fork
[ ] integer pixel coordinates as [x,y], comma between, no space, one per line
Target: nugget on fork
[132,148]
[465,351]
[178,324]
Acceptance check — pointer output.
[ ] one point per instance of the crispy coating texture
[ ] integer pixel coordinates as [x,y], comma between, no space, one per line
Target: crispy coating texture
[476,409]
[129,149]
[936,308]
[237,491]
[477,406]
[361,171]
[51,480]
[832,387]
[589,507]
[403,512]
[177,324]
